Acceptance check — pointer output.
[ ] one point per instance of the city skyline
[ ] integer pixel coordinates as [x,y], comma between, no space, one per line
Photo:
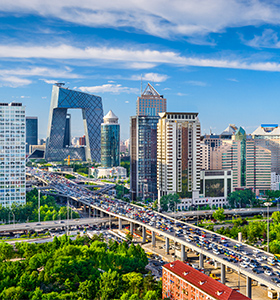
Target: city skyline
[220,58]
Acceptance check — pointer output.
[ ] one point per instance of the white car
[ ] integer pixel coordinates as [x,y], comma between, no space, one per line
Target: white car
[243,265]
[244,252]
[259,258]
[267,272]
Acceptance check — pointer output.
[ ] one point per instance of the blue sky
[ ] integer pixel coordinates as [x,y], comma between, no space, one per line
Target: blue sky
[219,58]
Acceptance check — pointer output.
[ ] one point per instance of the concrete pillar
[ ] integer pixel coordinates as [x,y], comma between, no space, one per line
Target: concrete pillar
[144,234]
[223,274]
[131,228]
[153,239]
[89,212]
[249,287]
[167,245]
[201,264]
[183,253]
[101,214]
[120,224]
[240,237]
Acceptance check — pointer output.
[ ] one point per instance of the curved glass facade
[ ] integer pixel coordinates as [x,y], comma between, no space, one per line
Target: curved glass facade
[110,145]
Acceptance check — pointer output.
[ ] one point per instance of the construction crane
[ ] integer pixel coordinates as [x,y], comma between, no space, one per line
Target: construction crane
[71,159]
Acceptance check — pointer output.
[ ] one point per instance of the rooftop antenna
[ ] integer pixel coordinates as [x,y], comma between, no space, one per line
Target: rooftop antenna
[60,84]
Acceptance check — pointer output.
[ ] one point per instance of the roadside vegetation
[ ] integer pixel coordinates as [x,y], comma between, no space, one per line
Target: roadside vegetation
[76,270]
[49,210]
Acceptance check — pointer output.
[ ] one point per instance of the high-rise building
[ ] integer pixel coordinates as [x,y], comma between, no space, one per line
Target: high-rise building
[143,156]
[268,137]
[110,141]
[150,103]
[178,154]
[12,154]
[67,136]
[91,106]
[250,163]
[31,132]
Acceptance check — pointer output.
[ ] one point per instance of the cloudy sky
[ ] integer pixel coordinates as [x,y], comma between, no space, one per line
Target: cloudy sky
[219,58]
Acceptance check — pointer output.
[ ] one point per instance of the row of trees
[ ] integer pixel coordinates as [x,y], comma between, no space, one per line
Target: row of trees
[256,231]
[77,270]
[169,202]
[49,210]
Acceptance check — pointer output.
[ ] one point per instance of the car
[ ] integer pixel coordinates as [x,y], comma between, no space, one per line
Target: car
[266,268]
[277,273]
[268,272]
[245,252]
[252,265]
[243,265]
[259,258]
[275,280]
[256,270]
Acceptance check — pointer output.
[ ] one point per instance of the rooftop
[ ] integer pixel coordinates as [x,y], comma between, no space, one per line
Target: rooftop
[210,286]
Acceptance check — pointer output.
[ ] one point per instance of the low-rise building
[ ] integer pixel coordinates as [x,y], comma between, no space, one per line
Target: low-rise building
[118,172]
[181,281]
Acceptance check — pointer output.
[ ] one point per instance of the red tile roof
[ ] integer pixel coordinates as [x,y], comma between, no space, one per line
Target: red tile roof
[210,286]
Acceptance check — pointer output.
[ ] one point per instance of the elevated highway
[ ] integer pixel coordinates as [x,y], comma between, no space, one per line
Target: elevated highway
[148,220]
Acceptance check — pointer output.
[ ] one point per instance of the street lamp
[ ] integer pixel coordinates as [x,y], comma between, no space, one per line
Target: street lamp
[39,216]
[268,204]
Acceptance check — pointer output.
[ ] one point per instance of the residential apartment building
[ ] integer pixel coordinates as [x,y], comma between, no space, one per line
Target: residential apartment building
[143,156]
[150,103]
[182,282]
[12,154]
[178,154]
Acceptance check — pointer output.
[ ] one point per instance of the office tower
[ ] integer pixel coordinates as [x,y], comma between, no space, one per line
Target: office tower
[250,163]
[91,106]
[143,156]
[110,141]
[268,137]
[67,135]
[82,140]
[31,132]
[178,154]
[150,103]
[12,154]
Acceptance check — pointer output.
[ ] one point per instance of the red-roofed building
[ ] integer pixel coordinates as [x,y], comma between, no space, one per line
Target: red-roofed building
[182,282]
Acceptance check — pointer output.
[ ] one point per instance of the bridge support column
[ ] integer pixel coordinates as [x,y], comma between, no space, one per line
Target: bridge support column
[249,287]
[201,258]
[215,264]
[120,224]
[144,234]
[89,212]
[183,253]
[223,274]
[153,239]
[167,245]
[131,228]
[101,214]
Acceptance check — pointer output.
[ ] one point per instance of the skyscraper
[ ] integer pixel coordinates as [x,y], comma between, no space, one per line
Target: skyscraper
[150,103]
[143,156]
[268,137]
[110,141]
[91,106]
[12,154]
[31,132]
[178,154]
[250,163]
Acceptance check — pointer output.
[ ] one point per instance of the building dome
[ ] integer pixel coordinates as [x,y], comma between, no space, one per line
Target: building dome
[110,118]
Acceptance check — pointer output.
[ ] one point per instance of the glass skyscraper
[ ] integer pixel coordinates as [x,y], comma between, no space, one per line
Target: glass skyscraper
[12,154]
[110,141]
[31,132]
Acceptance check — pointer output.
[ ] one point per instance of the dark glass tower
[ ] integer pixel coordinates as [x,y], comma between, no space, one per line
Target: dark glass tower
[31,132]
[110,141]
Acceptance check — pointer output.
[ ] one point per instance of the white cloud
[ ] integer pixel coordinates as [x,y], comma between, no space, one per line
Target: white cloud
[121,55]
[13,81]
[50,81]
[109,88]
[154,77]
[232,79]
[24,97]
[162,18]
[197,83]
[126,102]
[268,39]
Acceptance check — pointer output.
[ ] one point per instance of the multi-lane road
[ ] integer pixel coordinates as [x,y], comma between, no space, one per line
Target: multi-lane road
[240,257]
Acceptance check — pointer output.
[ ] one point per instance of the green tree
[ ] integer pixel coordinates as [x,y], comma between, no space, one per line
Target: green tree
[219,214]
[276,217]
[109,285]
